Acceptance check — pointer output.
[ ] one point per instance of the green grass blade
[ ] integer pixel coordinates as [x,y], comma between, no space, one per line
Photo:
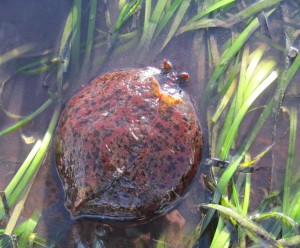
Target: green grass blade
[252,10]
[38,66]
[224,102]
[242,81]
[229,54]
[9,229]
[242,112]
[222,236]
[228,173]
[209,9]
[291,242]
[36,162]
[127,11]
[14,53]
[224,179]
[166,18]
[285,219]
[148,6]
[14,182]
[289,164]
[262,71]
[176,22]
[29,117]
[76,26]
[91,31]
[255,58]
[26,229]
[150,28]
[246,223]
[65,44]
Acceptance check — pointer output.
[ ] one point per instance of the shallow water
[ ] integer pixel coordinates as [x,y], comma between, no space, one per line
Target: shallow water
[41,24]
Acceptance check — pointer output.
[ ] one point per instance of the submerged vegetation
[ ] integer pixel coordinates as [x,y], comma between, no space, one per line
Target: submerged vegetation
[248,74]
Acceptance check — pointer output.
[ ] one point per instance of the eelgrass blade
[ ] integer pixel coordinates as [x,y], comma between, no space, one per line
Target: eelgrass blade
[290,242]
[176,22]
[215,6]
[285,219]
[294,211]
[14,53]
[40,65]
[7,113]
[76,25]
[36,239]
[224,89]
[222,236]
[127,11]
[91,31]
[228,55]
[252,10]
[242,81]
[253,64]
[150,27]
[224,179]
[16,213]
[224,102]
[23,168]
[25,230]
[147,17]
[262,71]
[66,44]
[290,163]
[36,162]
[246,223]
[166,17]
[242,112]
[29,117]
[195,23]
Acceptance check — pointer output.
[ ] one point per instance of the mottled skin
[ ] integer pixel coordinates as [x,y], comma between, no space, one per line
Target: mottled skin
[126,145]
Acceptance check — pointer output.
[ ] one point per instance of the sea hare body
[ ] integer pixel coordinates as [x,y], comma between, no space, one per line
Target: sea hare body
[128,144]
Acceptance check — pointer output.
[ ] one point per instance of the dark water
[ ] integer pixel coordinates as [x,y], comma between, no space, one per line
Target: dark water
[41,23]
